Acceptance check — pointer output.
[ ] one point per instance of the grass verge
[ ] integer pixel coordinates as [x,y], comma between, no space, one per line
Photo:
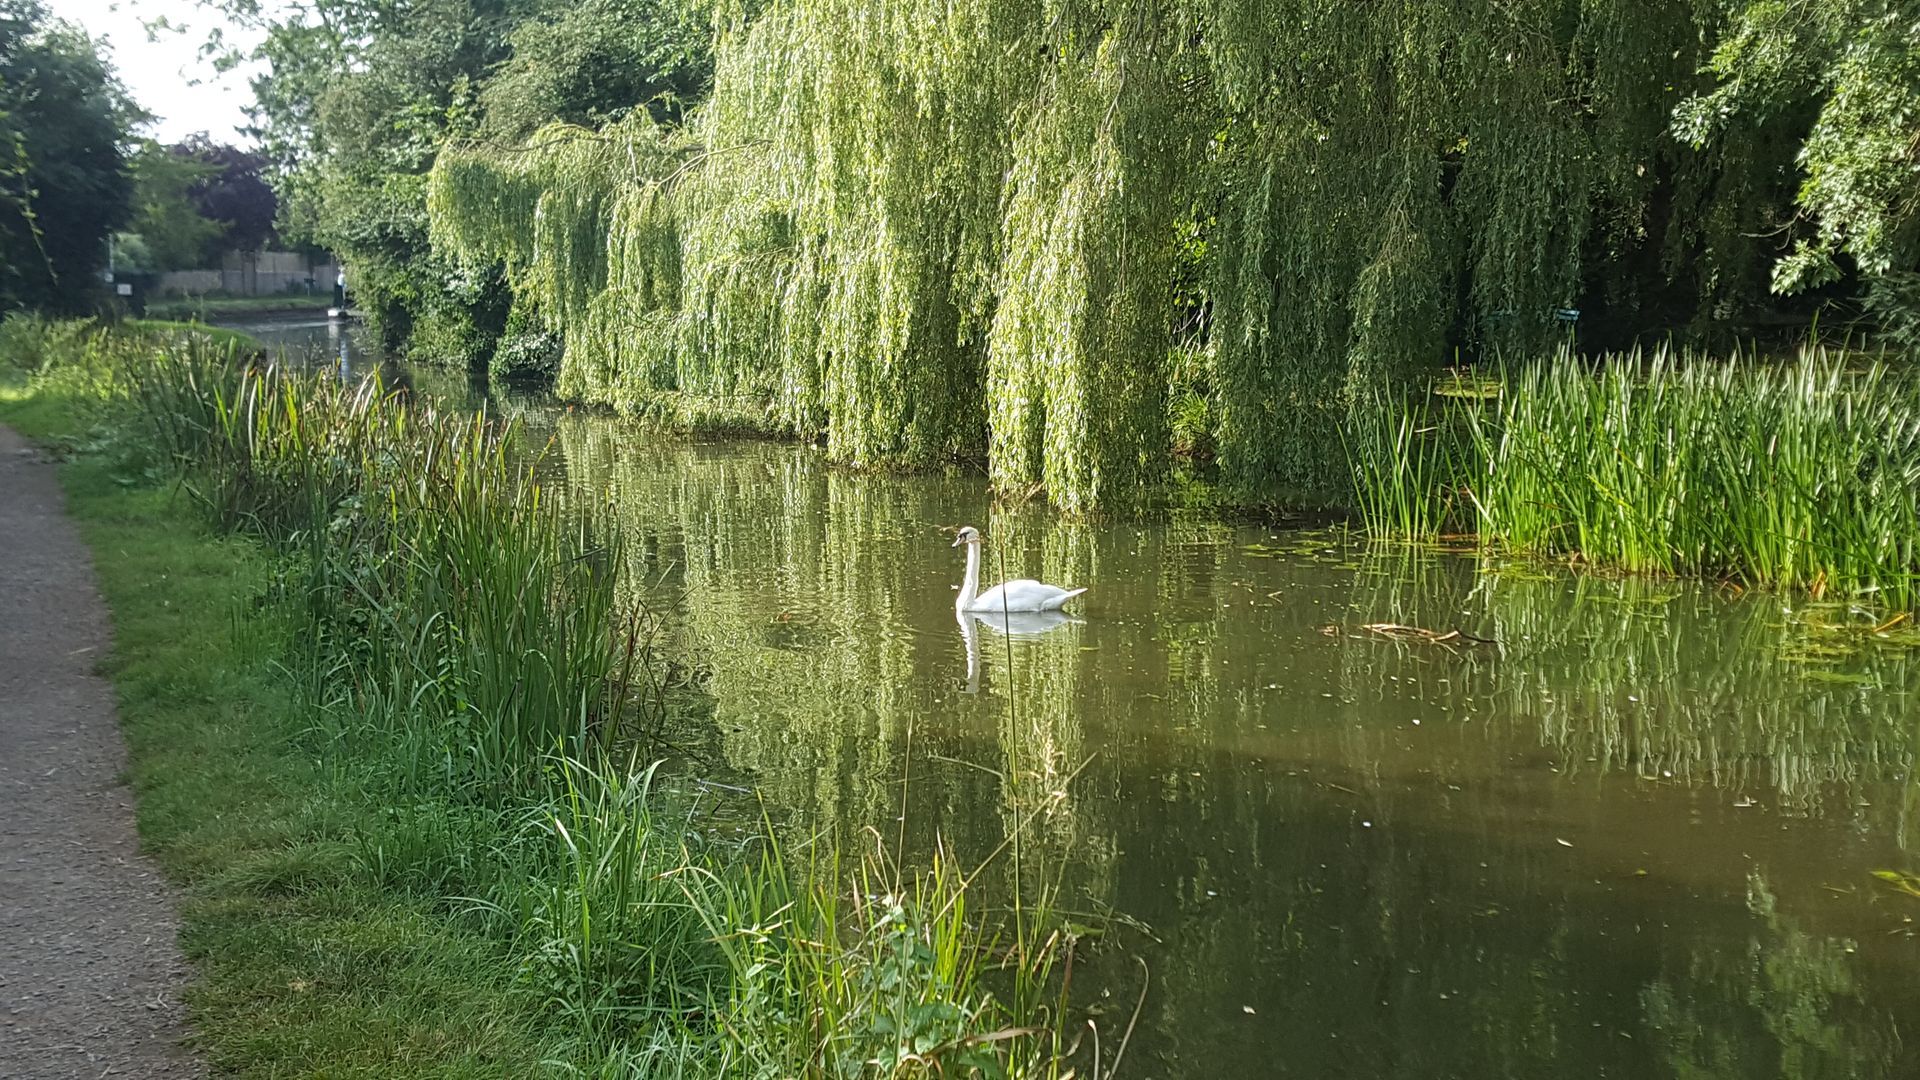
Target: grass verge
[306,967]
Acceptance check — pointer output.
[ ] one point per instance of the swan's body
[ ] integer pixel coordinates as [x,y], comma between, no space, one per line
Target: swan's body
[1023,594]
[1022,623]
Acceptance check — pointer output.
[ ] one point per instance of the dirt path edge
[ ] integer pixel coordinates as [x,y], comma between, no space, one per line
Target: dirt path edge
[90,963]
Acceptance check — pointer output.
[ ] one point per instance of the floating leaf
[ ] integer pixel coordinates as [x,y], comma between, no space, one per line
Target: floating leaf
[1901,882]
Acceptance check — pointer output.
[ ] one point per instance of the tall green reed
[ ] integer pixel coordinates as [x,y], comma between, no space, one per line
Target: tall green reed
[1410,467]
[611,937]
[1803,474]
[680,951]
[895,977]
[474,619]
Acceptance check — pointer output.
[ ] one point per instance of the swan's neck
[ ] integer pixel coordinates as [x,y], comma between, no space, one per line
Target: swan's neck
[970,586]
[970,637]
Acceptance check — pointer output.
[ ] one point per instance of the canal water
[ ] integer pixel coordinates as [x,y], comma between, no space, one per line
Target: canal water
[1615,827]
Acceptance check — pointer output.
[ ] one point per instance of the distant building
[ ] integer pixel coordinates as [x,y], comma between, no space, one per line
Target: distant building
[254,273]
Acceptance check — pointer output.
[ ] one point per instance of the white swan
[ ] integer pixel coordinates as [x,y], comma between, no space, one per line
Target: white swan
[1021,595]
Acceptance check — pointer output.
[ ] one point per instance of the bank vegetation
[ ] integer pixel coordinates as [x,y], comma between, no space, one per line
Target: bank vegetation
[393,728]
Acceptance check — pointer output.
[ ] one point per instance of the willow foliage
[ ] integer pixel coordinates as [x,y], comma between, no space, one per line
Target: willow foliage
[917,230]
[1849,71]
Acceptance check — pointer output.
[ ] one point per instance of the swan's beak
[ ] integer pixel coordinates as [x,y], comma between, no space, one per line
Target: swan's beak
[959,540]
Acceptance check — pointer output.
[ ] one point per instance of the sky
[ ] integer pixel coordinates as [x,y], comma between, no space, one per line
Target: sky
[167,77]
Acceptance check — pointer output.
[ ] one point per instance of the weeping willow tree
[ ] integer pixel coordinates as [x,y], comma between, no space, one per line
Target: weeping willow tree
[1405,177]
[919,230]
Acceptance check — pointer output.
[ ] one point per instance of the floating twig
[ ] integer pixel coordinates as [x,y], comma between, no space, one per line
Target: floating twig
[1400,632]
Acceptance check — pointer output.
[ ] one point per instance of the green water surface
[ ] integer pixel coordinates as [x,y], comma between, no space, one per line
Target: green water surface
[1634,835]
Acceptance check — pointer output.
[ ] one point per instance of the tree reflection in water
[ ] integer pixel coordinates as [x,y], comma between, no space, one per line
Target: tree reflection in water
[1355,856]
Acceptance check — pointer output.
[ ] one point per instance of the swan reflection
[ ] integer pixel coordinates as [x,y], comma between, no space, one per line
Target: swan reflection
[1010,623]
[1024,623]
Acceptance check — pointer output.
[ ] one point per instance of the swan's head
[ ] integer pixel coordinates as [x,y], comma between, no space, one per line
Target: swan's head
[967,535]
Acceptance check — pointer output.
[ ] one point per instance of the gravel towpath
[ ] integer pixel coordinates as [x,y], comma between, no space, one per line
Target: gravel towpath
[90,966]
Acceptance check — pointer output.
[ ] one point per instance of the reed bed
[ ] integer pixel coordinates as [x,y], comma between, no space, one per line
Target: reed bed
[1802,474]
[474,679]
[1410,467]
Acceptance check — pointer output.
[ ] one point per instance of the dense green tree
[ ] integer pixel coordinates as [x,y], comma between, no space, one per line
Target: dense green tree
[193,202]
[359,98]
[64,185]
[173,234]
[1035,229]
[354,105]
[591,63]
[1849,71]
[233,192]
